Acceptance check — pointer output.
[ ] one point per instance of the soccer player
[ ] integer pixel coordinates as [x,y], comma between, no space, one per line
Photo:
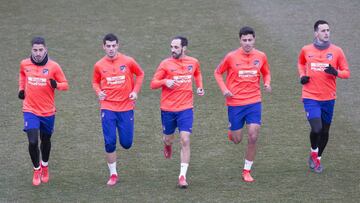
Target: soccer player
[39,76]
[319,64]
[243,68]
[117,90]
[174,76]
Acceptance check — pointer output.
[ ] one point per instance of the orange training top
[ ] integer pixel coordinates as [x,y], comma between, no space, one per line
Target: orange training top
[35,81]
[180,96]
[312,63]
[243,76]
[116,78]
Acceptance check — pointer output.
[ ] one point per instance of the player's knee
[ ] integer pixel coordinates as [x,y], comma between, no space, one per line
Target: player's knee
[32,137]
[185,141]
[167,139]
[110,147]
[45,140]
[45,137]
[237,137]
[316,130]
[325,129]
[325,134]
[126,145]
[252,138]
[33,144]
[316,125]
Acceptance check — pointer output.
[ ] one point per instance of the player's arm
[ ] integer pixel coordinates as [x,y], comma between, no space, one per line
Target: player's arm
[265,71]
[158,79]
[343,71]
[137,70]
[96,83]
[222,67]
[302,64]
[22,80]
[59,81]
[302,68]
[96,80]
[198,80]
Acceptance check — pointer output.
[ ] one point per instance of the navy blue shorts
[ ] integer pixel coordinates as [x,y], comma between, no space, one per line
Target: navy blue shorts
[123,122]
[238,115]
[319,109]
[183,120]
[43,123]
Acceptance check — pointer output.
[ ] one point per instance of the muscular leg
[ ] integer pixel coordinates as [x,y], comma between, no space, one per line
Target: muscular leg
[108,122]
[253,131]
[316,126]
[45,146]
[184,155]
[168,139]
[185,147]
[323,138]
[237,136]
[33,146]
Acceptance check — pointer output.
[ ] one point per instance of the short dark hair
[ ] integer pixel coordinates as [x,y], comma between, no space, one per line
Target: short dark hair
[319,22]
[110,37]
[184,40]
[246,30]
[38,40]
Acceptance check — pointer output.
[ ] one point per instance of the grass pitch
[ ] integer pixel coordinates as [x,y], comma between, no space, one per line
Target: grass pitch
[74,30]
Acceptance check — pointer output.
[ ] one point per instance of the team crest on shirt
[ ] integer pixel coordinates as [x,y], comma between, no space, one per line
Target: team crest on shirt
[45,71]
[123,68]
[256,63]
[329,56]
[190,67]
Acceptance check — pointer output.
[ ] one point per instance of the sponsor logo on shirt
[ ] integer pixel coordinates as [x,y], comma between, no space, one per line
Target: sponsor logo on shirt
[182,78]
[172,69]
[247,73]
[310,56]
[318,66]
[115,80]
[45,71]
[27,69]
[329,56]
[36,81]
[123,68]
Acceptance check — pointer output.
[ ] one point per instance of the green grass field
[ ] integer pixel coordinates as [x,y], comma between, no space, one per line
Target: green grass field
[74,30]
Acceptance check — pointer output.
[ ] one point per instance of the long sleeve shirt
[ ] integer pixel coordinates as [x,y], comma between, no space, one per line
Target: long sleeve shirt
[312,62]
[116,78]
[183,71]
[243,76]
[35,81]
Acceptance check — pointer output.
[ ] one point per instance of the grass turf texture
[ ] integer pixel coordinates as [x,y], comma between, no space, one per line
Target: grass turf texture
[74,30]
